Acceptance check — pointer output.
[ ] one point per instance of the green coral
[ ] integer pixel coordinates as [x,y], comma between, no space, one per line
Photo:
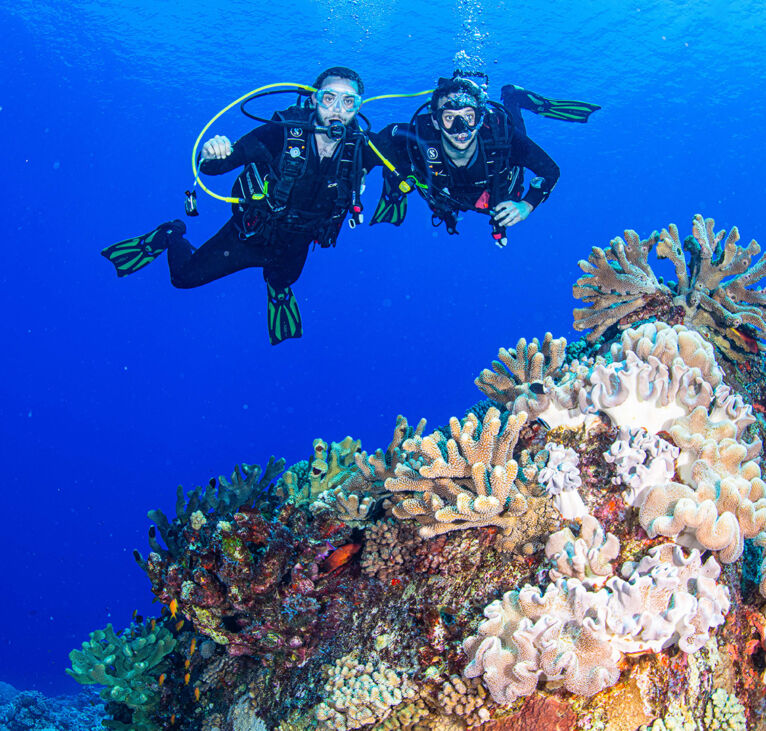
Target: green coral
[128,665]
[218,499]
[724,712]
[327,469]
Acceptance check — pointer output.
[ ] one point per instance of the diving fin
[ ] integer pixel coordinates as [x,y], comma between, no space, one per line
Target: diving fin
[392,206]
[563,109]
[283,315]
[133,254]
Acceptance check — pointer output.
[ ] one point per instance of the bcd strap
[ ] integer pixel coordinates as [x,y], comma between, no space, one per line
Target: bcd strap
[500,179]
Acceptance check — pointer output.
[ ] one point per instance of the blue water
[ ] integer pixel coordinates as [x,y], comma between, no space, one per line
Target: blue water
[114,391]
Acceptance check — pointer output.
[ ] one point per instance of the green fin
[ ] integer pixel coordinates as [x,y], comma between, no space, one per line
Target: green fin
[392,206]
[133,254]
[284,317]
[562,109]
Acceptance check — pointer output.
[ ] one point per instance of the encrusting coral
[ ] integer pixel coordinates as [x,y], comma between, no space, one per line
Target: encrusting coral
[712,293]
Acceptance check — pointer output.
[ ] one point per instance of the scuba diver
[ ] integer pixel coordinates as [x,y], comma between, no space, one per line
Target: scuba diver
[467,153]
[303,172]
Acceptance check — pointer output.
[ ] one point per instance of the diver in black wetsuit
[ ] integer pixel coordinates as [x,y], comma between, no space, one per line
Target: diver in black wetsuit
[468,154]
[304,182]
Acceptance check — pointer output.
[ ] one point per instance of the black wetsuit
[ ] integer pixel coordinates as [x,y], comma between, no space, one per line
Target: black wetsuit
[469,182]
[283,251]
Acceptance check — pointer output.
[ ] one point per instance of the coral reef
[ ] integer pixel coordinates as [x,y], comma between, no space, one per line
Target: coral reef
[583,549]
[28,710]
[712,293]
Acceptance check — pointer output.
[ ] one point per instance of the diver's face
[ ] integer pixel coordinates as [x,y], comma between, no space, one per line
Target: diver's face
[337,101]
[459,127]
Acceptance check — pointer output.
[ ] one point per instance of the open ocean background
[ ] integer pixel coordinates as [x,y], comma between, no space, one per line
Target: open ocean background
[115,391]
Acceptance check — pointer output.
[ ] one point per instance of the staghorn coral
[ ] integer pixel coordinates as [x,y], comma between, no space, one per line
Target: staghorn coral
[128,665]
[575,636]
[463,482]
[379,466]
[617,283]
[713,293]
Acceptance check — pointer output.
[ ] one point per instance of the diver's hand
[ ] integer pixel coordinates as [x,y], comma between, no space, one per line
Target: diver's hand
[509,213]
[217,148]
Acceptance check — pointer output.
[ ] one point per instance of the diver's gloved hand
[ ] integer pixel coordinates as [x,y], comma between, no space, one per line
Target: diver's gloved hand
[217,148]
[509,213]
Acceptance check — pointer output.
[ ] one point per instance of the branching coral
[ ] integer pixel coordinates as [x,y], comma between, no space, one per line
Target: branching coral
[521,370]
[617,282]
[575,635]
[714,291]
[215,501]
[463,482]
[128,665]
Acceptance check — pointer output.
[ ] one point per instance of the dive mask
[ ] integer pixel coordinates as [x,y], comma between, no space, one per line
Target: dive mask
[343,100]
[456,118]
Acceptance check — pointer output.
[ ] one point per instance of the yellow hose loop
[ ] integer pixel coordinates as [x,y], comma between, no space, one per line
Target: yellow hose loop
[227,199]
[397,96]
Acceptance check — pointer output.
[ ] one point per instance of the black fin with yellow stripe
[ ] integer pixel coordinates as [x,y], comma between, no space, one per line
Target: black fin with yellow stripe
[133,254]
[284,317]
[562,109]
[392,206]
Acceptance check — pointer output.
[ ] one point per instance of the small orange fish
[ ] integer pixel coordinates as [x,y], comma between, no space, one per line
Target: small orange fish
[340,556]
[173,607]
[179,625]
[187,678]
[172,719]
[187,663]
[161,679]
[196,694]
[192,646]
[153,624]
